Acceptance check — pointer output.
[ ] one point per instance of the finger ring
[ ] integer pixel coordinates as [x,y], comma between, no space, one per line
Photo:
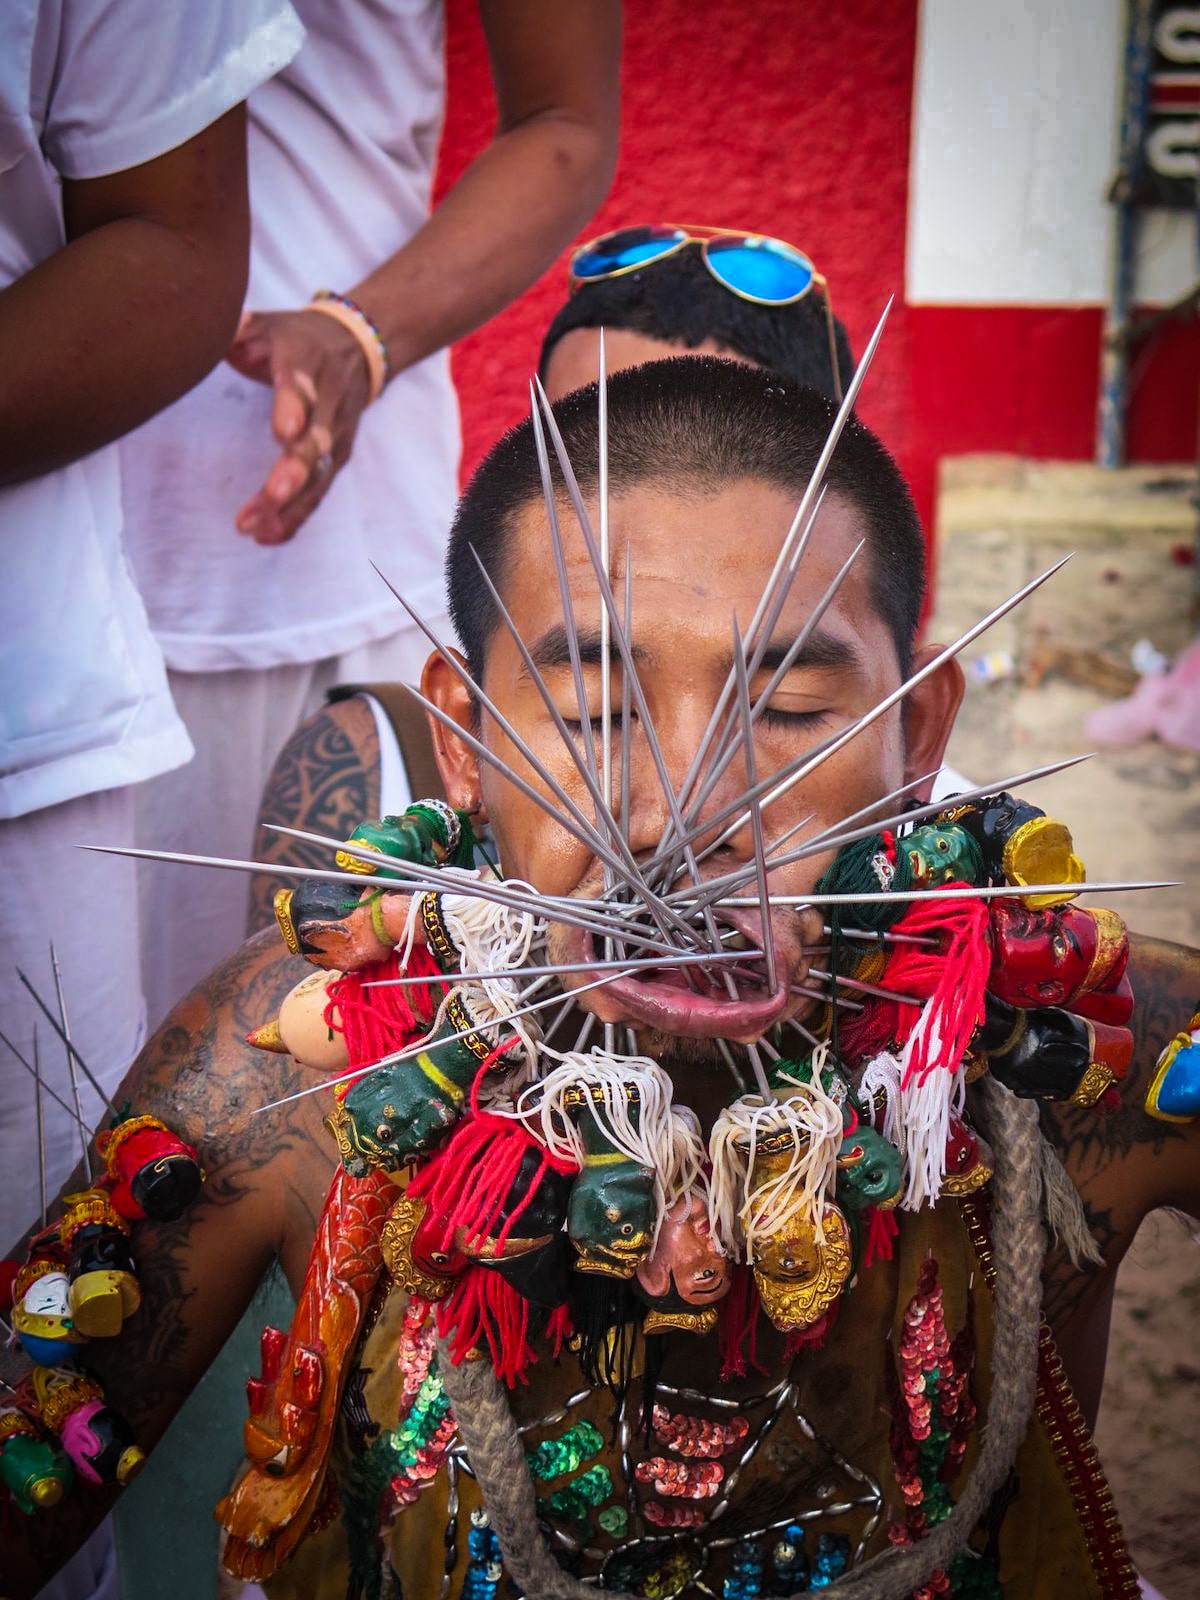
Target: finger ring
[323,465]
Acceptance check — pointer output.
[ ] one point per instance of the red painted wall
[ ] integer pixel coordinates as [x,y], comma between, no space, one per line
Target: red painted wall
[793,118]
[738,115]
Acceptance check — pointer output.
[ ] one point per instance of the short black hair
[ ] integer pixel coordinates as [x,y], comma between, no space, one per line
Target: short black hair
[694,420]
[678,300]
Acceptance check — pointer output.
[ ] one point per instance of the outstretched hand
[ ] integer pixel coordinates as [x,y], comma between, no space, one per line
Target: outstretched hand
[319,374]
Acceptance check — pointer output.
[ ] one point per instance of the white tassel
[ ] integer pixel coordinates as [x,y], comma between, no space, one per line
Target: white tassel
[658,1141]
[741,1213]
[488,937]
[882,1075]
[923,1127]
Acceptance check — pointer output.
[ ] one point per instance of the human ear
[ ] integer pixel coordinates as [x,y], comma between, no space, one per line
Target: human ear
[929,713]
[456,761]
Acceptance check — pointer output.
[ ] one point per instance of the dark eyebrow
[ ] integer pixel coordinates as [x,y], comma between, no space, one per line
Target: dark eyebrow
[821,650]
[553,649]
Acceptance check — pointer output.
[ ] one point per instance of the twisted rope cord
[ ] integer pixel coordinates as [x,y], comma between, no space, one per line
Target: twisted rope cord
[489,1432]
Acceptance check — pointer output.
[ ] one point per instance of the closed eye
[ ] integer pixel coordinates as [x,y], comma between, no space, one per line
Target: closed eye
[774,717]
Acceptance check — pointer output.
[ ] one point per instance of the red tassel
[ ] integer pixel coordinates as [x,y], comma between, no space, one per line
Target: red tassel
[483,1309]
[468,1179]
[881,1232]
[559,1329]
[737,1326]
[951,978]
[378,1022]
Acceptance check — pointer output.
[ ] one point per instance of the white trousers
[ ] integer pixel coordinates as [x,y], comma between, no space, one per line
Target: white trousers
[87,905]
[238,722]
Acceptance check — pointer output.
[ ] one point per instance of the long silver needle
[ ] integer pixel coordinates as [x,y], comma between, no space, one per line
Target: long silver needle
[760,854]
[825,996]
[628,664]
[564,584]
[46,1089]
[590,835]
[423,1044]
[886,936]
[838,835]
[633,876]
[626,773]
[865,988]
[41,1127]
[685,958]
[760,1076]
[735,1071]
[771,789]
[80,1062]
[722,701]
[727,753]
[1004,891]
[65,1023]
[605,652]
[549,907]
[605,640]
[596,914]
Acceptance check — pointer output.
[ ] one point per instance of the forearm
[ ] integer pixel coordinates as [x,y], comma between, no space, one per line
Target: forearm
[513,210]
[261,1194]
[99,337]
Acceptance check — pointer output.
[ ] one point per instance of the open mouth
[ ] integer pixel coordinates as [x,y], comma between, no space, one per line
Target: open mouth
[731,1001]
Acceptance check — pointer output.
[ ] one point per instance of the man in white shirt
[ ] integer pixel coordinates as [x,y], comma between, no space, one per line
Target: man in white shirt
[331,439]
[123,246]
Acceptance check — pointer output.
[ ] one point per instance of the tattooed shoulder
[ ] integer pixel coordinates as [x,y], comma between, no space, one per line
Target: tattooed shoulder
[325,780]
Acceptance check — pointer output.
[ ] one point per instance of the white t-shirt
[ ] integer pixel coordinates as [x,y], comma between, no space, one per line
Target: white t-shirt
[85,90]
[342,148]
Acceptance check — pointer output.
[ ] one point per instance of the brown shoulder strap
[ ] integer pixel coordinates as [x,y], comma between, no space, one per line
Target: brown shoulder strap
[411,727]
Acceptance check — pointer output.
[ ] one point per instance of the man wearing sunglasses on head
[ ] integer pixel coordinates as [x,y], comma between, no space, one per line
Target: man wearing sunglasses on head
[663,290]
[657,290]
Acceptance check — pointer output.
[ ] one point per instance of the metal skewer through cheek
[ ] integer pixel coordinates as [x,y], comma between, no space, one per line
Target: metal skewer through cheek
[411,1051]
[65,1025]
[773,788]
[812,489]
[834,838]
[628,664]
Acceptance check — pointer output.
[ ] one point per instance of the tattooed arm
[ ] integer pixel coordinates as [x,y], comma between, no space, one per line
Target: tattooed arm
[326,780]
[1124,1166]
[264,1187]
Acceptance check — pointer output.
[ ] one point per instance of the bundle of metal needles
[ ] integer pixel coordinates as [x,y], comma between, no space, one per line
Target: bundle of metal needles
[660,911]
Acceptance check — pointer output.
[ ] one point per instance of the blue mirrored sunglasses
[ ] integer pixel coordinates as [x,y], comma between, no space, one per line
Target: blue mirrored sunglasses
[767,271]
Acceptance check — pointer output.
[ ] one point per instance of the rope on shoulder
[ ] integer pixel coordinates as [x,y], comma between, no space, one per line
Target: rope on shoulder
[489,1431]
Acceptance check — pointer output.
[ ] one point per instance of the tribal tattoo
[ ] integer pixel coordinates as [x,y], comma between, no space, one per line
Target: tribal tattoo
[261,1197]
[325,780]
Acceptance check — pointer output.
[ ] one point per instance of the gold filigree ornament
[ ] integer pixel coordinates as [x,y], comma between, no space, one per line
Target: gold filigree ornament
[680,1321]
[396,1242]
[1093,1084]
[283,917]
[799,1277]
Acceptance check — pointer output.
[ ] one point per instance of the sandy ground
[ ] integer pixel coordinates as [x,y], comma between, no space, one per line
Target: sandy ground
[1135,813]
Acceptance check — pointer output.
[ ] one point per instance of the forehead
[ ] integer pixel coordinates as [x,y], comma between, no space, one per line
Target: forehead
[699,556]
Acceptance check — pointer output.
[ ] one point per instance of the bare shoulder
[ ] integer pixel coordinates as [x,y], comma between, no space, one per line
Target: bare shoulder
[1131,1161]
[325,780]
[1124,1166]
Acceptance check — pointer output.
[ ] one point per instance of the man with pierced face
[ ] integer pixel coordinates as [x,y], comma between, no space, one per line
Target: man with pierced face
[707,461]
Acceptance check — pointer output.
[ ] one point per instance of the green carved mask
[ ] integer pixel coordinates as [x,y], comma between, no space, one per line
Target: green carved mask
[941,853]
[610,1217]
[868,1171]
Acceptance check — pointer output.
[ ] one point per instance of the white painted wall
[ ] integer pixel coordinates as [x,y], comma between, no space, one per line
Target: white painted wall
[1015,129]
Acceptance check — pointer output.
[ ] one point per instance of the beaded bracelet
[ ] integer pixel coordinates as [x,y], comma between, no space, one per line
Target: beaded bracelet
[356,321]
